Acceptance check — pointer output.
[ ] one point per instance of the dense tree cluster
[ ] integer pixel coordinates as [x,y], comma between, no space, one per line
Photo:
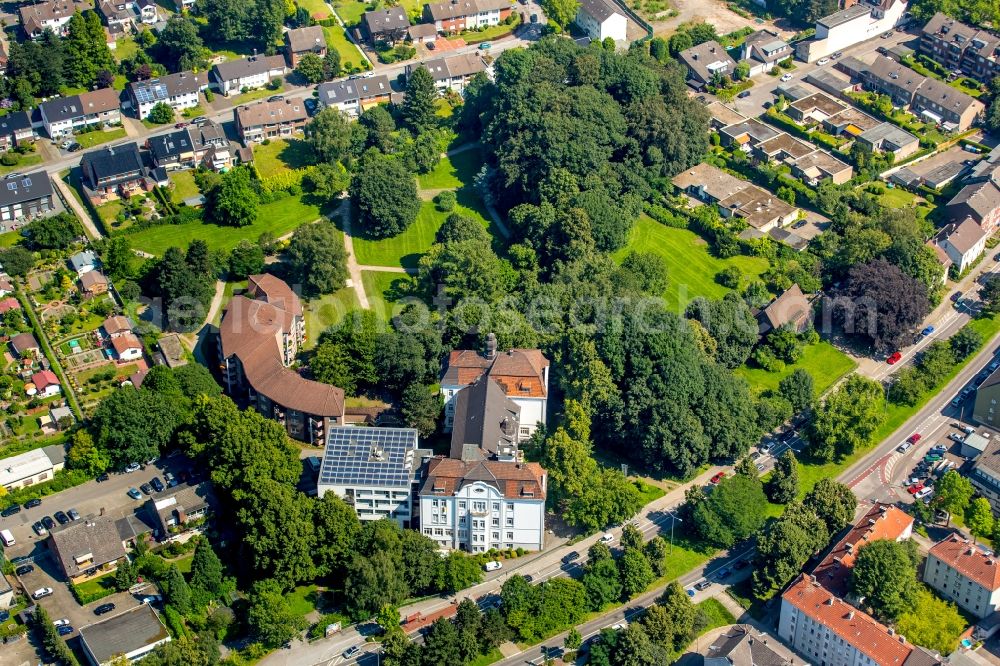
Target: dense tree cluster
[885,575]
[733,511]
[185,283]
[56,232]
[316,259]
[847,419]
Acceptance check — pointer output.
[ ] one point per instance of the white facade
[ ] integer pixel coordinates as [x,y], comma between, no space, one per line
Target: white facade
[375,502]
[817,642]
[532,410]
[963,260]
[852,26]
[250,81]
[185,100]
[614,26]
[478,517]
[967,593]
[130,354]
[27,469]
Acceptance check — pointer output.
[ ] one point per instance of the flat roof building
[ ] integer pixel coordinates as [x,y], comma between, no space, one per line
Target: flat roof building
[132,634]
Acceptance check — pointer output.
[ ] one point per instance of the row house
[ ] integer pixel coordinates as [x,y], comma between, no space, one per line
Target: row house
[736,198]
[269,120]
[979,199]
[705,63]
[963,242]
[459,15]
[353,96]
[204,144]
[25,196]
[53,15]
[15,128]
[178,91]
[64,115]
[763,50]
[961,48]
[247,73]
[453,73]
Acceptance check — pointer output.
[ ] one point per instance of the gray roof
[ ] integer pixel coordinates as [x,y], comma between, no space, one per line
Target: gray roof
[943,174]
[963,236]
[185,498]
[22,342]
[57,452]
[15,122]
[845,15]
[361,456]
[888,133]
[887,72]
[93,541]
[738,646]
[827,79]
[600,10]
[704,60]
[348,91]
[448,10]
[792,91]
[112,162]
[976,441]
[981,198]
[379,21]
[244,67]
[124,633]
[486,421]
[83,259]
[29,187]
[4,584]
[305,39]
[442,69]
[170,145]
[946,96]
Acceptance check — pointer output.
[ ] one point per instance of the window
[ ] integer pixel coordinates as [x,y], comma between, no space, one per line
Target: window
[510,535]
[510,522]
[461,505]
[496,506]
[496,522]
[510,506]
[496,536]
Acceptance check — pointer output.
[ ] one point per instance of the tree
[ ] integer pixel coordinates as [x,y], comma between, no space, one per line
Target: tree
[118,257]
[356,337]
[269,616]
[847,419]
[932,623]
[733,512]
[185,292]
[312,68]
[833,502]
[457,571]
[373,581]
[84,455]
[441,644]
[177,590]
[16,261]
[180,45]
[386,196]
[881,304]
[234,201]
[602,583]
[418,103]
[636,571]
[458,228]
[681,614]
[421,407]
[562,12]
[161,113]
[131,426]
[953,493]
[329,135]
[645,272]
[730,323]
[631,537]
[387,618]
[316,258]
[381,128]
[206,571]
[885,574]
[990,294]
[56,232]
[785,546]
[656,551]
[573,639]
[331,64]
[965,342]
[979,518]
[337,529]
[125,576]
[327,180]
[246,259]
[783,486]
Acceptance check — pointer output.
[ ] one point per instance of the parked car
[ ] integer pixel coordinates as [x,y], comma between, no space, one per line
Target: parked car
[276,98]
[744,94]
[4,616]
[146,490]
[351,651]
[957,400]
[766,447]
[25,569]
[180,125]
[61,517]
[607,538]
[882,50]
[718,477]
[39,529]
[966,428]
[32,503]
[133,467]
[904,447]
[495,565]
[48,522]
[41,592]
[134,494]
[822,61]
[955,437]
[60,623]
[702,584]
[915,488]
[534,18]
[157,484]
[924,493]
[73,514]
[170,479]
[570,557]
[152,599]
[785,78]
[485,46]
[103,477]
[894,358]
[800,224]
[836,55]
[933,457]
[104,609]
[914,438]
[75,147]
[927,331]
[723,573]
[740,564]
[10,511]
[64,630]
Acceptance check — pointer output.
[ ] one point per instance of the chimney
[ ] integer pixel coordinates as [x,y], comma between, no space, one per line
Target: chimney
[850,615]
[491,346]
[892,632]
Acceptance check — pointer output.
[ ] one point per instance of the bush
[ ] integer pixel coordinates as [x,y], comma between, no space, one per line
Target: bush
[9,158]
[446,201]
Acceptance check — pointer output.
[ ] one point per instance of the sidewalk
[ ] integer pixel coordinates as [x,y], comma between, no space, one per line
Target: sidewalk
[67,196]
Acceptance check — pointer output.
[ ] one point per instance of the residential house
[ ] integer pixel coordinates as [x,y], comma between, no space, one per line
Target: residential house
[980,200]
[960,47]
[171,351]
[820,164]
[763,50]
[523,374]
[459,15]
[744,645]
[375,470]
[422,33]
[850,26]
[127,347]
[64,115]
[385,25]
[270,120]
[52,15]
[882,521]
[301,41]
[131,634]
[25,196]
[183,5]
[353,96]
[93,283]
[814,109]
[791,309]
[782,148]
[62,418]
[117,14]
[824,629]
[602,19]
[259,339]
[721,115]
[486,423]
[175,509]
[928,98]
[481,505]
[942,258]
[31,467]
[178,91]
[964,242]
[9,303]
[15,128]
[113,171]
[452,72]
[705,63]
[211,146]
[943,174]
[83,262]
[148,13]
[6,286]
[116,326]
[44,384]
[247,73]
[172,151]
[24,345]
[747,134]
[736,198]
[962,571]
[985,474]
[889,138]
[850,123]
[87,548]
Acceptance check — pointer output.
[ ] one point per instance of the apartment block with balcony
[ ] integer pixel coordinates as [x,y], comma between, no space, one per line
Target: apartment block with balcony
[965,573]
[961,48]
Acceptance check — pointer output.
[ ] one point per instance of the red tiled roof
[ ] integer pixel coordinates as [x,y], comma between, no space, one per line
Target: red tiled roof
[514,480]
[125,342]
[883,521]
[8,304]
[856,628]
[520,372]
[974,564]
[43,379]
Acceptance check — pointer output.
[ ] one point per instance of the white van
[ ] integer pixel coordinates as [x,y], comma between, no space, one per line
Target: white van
[7,538]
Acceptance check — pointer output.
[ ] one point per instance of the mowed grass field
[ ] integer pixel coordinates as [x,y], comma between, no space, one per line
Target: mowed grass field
[385,289]
[690,268]
[822,360]
[453,172]
[318,9]
[279,217]
[337,39]
[281,155]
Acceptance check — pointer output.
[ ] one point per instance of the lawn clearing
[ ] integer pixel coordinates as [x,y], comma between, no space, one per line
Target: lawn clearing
[10,238]
[279,217]
[453,172]
[91,139]
[385,289]
[184,186]
[317,9]
[406,248]
[822,360]
[102,585]
[281,155]
[302,600]
[350,11]
[109,212]
[716,615]
[691,269]
[125,48]
[260,93]
[28,160]
[337,39]
[328,310]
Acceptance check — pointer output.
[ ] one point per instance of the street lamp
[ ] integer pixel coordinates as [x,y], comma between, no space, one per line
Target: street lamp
[673,519]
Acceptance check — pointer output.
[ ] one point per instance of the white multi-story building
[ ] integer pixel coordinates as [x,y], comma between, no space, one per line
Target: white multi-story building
[523,374]
[850,26]
[179,91]
[64,115]
[827,630]
[481,505]
[353,96]
[961,571]
[601,19]
[375,470]
[247,73]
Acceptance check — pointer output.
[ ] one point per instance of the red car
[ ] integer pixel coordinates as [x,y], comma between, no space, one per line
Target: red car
[914,438]
[718,477]
[915,488]
[892,360]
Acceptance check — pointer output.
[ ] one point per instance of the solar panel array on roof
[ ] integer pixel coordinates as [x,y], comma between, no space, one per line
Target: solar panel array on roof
[360,456]
[152,91]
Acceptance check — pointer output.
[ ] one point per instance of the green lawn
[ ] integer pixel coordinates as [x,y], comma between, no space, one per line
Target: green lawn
[350,11]
[337,39]
[453,172]
[28,160]
[184,186]
[824,362]
[281,155]
[691,269]
[109,211]
[91,139]
[326,311]
[302,600]
[125,48]
[279,217]
[10,238]
[318,9]
[406,249]
[716,614]
[103,585]
[259,93]
[384,289]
